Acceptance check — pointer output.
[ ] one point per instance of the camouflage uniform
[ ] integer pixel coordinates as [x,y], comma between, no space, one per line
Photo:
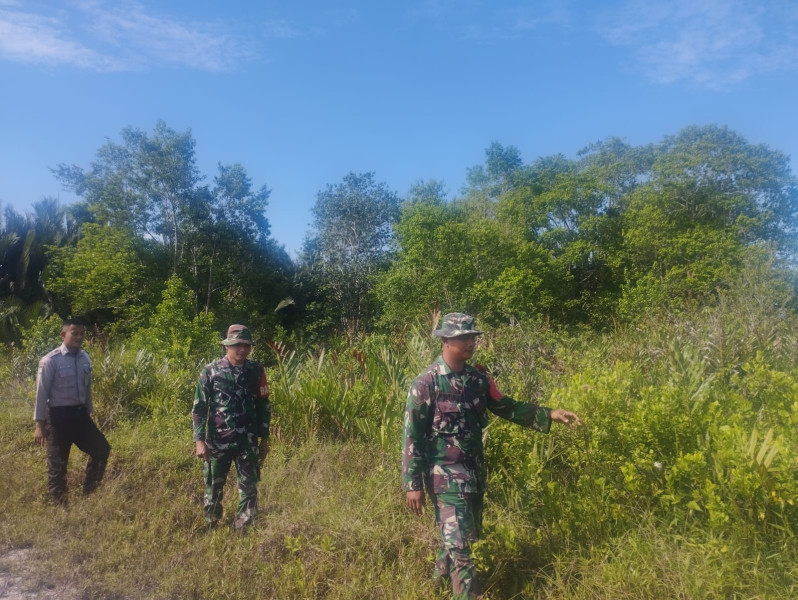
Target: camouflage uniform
[231,411]
[443,451]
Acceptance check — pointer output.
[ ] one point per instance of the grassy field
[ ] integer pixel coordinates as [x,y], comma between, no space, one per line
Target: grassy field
[332,523]
[333,526]
[683,483]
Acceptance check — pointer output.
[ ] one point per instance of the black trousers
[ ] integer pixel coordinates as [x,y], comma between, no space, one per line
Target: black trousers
[72,425]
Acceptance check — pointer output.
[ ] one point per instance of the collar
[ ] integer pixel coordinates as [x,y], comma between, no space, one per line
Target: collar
[443,369]
[64,350]
[226,364]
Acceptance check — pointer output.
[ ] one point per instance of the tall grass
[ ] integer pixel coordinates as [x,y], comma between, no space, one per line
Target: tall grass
[683,483]
[347,392]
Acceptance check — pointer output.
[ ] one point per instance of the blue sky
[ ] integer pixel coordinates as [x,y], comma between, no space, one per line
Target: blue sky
[301,93]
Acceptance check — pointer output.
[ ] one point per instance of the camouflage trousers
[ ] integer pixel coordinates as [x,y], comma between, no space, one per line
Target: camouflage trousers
[248,475]
[459,520]
[69,425]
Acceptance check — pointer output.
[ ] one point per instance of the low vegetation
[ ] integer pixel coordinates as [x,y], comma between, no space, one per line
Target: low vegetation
[683,482]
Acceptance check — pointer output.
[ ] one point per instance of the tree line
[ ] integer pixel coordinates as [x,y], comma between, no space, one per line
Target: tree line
[604,238]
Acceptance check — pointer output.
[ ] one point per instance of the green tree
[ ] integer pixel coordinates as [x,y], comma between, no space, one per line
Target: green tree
[216,238]
[174,331]
[452,257]
[146,185]
[572,240]
[231,257]
[484,183]
[23,256]
[708,197]
[431,192]
[101,277]
[350,243]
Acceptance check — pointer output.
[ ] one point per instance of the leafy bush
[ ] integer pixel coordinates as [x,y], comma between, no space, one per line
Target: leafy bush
[175,332]
[43,335]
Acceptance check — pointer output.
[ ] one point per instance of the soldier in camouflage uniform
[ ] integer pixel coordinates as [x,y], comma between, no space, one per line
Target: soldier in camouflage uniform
[231,417]
[444,418]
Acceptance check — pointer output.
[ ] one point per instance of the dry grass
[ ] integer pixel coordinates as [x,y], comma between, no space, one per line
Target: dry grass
[333,523]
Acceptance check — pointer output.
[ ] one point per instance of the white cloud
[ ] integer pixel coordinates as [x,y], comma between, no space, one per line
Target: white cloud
[145,39]
[97,35]
[30,38]
[713,43]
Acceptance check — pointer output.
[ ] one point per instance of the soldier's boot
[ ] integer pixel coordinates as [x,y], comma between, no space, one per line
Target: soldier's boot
[243,524]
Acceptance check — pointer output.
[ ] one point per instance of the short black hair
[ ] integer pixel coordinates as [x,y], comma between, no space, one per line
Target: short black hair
[73,321]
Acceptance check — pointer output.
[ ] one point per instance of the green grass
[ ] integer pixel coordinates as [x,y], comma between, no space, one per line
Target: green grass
[333,526]
[332,522]
[683,483]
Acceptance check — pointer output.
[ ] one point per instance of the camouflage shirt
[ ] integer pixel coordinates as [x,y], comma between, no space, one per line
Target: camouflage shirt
[444,418]
[231,406]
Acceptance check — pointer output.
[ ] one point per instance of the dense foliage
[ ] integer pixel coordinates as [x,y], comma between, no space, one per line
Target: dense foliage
[615,234]
[608,237]
[651,289]
[683,477]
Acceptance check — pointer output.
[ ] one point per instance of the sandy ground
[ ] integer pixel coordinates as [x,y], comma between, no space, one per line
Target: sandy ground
[14,565]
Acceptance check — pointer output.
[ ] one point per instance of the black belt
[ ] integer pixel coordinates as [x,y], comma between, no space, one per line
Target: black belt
[70,407]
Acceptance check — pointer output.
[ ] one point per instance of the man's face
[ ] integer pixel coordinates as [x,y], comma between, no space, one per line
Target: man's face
[73,336]
[461,347]
[237,353]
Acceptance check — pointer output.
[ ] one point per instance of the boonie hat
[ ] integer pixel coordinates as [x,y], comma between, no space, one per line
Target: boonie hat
[457,324]
[238,334]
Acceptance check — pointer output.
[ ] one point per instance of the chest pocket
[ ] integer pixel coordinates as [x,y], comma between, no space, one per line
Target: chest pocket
[66,377]
[223,390]
[449,418]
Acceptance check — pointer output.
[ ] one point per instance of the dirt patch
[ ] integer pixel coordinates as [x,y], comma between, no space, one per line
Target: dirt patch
[17,582]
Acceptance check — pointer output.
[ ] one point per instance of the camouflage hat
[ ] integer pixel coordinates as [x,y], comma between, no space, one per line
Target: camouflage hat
[457,324]
[238,334]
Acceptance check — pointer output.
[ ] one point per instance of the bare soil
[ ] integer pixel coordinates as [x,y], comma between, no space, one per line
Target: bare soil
[19,582]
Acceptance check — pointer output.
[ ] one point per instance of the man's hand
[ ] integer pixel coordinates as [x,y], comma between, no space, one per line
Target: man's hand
[263,449]
[40,433]
[566,417]
[415,501]
[202,451]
